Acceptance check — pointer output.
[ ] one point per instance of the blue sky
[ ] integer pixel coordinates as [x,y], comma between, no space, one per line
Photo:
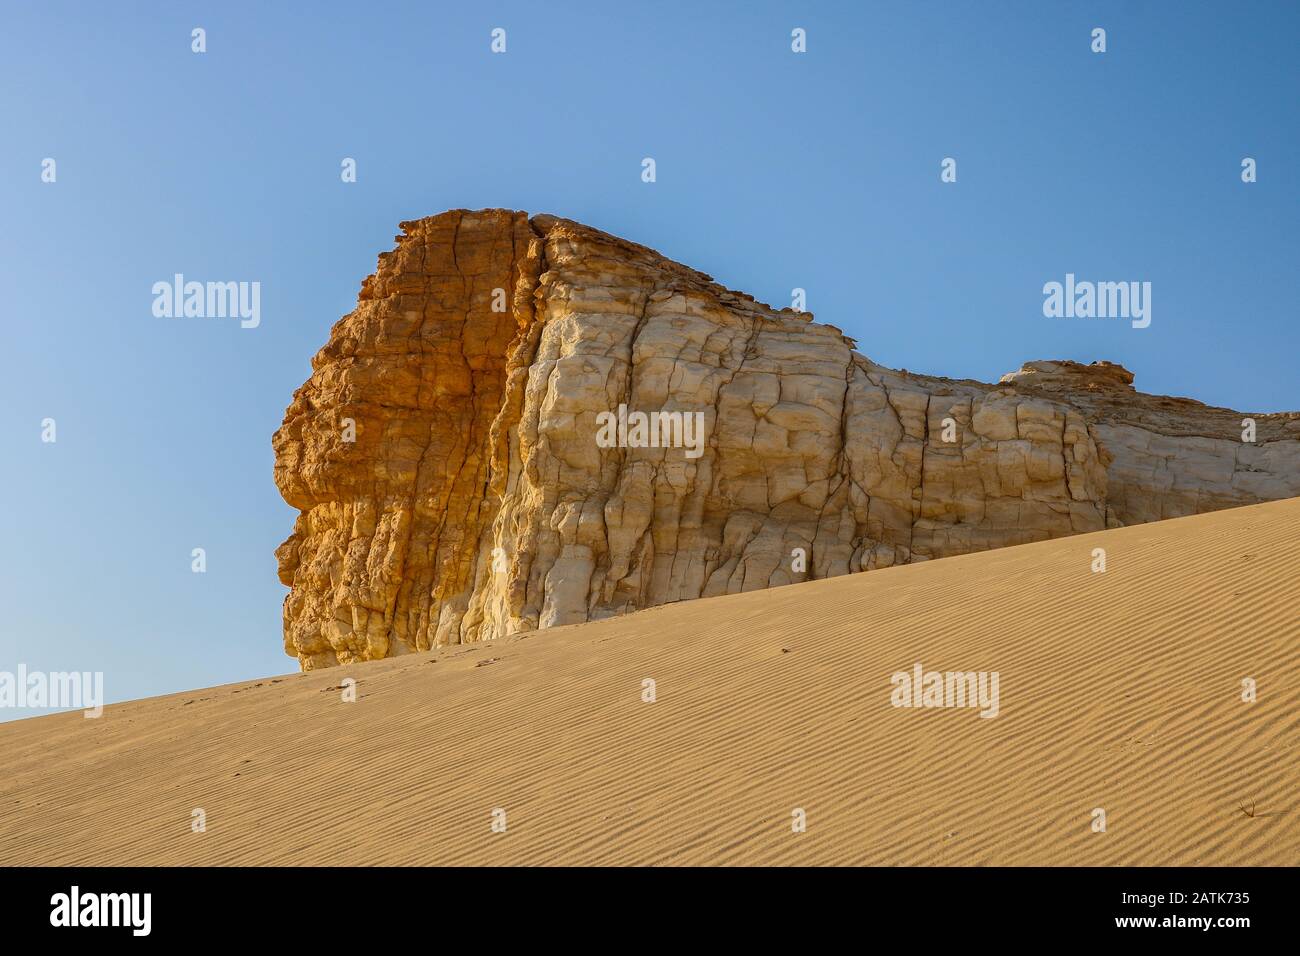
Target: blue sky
[775,170]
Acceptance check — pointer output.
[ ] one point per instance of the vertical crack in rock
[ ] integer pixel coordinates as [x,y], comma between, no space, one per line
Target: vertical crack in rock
[920,488]
[475,501]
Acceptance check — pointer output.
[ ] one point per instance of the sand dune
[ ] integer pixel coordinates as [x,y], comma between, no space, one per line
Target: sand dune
[1119,691]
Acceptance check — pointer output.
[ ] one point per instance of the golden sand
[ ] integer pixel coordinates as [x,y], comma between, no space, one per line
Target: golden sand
[1119,691]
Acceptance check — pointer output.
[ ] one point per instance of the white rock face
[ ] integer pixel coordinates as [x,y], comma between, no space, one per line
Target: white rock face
[814,461]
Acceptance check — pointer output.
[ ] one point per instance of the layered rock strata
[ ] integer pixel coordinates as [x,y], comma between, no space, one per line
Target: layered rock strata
[451,462]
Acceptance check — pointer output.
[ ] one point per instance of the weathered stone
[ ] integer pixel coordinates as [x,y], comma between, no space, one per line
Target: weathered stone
[476,500]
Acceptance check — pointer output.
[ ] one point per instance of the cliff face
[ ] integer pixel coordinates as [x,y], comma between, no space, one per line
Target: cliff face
[468,463]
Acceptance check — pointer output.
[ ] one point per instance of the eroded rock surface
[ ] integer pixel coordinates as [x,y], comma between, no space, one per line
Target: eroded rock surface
[444,453]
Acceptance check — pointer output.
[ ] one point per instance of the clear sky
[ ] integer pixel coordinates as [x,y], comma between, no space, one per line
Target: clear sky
[775,170]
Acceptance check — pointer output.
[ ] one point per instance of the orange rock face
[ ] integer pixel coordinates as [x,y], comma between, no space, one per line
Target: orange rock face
[418,378]
[460,476]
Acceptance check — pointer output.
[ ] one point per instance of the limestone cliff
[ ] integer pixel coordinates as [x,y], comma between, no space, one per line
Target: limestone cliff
[445,453]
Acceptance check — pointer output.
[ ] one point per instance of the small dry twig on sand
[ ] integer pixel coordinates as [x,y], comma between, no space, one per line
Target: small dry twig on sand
[1252,813]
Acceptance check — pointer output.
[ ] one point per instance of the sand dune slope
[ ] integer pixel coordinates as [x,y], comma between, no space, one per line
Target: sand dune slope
[1119,691]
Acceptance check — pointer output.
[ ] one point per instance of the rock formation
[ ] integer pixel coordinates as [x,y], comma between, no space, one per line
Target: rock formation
[447,461]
